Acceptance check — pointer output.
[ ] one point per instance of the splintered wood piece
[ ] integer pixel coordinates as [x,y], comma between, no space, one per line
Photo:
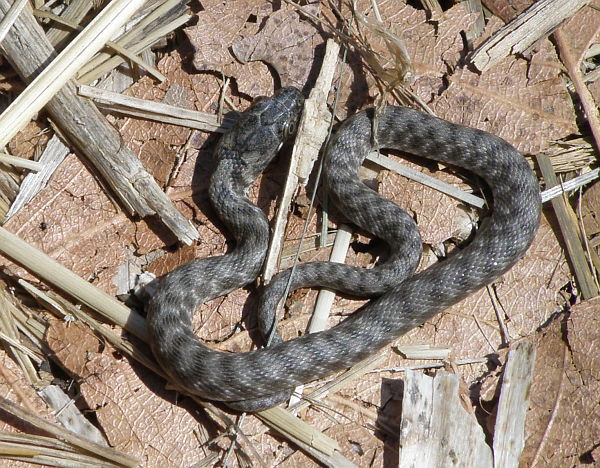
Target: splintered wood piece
[535,23]
[436,430]
[509,433]
[312,132]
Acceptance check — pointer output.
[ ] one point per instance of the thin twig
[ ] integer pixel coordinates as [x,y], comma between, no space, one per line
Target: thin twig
[586,97]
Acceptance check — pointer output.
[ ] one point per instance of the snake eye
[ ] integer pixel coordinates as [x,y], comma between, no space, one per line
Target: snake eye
[289,129]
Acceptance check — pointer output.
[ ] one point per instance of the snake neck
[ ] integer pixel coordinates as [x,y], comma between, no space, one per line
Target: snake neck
[245,221]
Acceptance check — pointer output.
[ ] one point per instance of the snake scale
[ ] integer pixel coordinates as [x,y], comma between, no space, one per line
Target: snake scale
[259,379]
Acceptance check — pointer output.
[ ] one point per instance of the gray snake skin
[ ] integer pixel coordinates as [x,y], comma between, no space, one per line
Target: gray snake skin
[259,379]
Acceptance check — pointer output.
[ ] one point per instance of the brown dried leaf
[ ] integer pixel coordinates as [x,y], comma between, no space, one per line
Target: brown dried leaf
[508,9]
[581,31]
[136,414]
[287,43]
[527,106]
[74,222]
[434,46]
[33,136]
[572,439]
[155,143]
[219,25]
[438,216]
[15,387]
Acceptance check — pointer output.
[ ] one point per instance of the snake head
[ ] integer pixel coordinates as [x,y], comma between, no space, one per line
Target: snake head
[258,134]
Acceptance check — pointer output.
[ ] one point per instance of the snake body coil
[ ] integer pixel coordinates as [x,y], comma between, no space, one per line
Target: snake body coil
[257,379]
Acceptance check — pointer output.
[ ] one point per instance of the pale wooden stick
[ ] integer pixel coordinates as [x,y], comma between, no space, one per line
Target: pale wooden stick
[435,424]
[571,184]
[10,17]
[156,110]
[20,162]
[424,179]
[535,23]
[509,432]
[326,297]
[312,132]
[571,233]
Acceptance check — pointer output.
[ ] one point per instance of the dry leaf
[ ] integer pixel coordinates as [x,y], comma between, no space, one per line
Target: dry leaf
[137,415]
[572,439]
[507,10]
[581,31]
[220,25]
[287,43]
[527,110]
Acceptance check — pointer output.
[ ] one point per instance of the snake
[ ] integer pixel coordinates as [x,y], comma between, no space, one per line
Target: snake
[258,379]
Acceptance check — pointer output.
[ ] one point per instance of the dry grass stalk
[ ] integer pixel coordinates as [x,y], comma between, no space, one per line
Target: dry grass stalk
[424,179]
[70,438]
[156,111]
[136,40]
[571,235]
[20,162]
[51,272]
[111,44]
[344,380]
[279,418]
[23,356]
[571,184]
[310,243]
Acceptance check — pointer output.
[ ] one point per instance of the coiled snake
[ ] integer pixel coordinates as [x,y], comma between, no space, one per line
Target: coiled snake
[258,379]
